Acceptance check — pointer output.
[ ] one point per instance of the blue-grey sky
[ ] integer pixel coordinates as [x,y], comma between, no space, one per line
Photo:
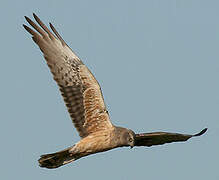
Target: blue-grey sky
[158,65]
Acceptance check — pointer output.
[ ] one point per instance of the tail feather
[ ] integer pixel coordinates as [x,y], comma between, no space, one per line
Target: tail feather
[57,159]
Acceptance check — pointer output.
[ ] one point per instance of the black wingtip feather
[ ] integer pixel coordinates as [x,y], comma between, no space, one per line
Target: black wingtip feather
[34,15]
[28,19]
[202,132]
[28,29]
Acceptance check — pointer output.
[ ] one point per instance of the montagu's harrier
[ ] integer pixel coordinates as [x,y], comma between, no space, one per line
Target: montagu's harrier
[83,97]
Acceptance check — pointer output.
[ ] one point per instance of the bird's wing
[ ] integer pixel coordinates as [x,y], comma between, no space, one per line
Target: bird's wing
[158,138]
[79,88]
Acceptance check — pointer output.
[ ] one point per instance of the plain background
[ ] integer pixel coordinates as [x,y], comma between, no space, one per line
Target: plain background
[157,64]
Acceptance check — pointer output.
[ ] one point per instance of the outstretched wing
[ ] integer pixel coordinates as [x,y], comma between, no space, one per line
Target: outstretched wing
[79,88]
[158,138]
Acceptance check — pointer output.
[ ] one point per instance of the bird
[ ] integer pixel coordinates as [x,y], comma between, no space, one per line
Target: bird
[84,100]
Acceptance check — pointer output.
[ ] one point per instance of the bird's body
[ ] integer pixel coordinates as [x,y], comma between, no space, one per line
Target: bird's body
[99,142]
[84,100]
[94,143]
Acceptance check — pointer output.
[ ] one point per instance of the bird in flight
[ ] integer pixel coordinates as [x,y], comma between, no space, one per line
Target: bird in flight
[84,100]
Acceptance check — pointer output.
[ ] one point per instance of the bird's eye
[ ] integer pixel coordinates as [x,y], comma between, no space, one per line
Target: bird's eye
[130,139]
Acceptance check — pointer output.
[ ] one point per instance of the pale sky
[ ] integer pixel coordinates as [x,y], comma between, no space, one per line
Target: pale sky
[158,65]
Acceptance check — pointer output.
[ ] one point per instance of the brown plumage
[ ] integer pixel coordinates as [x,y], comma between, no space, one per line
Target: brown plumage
[83,98]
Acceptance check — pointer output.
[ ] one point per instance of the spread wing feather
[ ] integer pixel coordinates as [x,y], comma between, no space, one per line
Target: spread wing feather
[159,138]
[79,88]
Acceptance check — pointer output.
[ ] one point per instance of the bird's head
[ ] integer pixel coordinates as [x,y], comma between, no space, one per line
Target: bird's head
[128,138]
[124,137]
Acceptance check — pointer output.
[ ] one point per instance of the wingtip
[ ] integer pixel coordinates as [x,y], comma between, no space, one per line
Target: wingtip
[35,16]
[26,17]
[26,27]
[202,132]
[50,24]
[28,20]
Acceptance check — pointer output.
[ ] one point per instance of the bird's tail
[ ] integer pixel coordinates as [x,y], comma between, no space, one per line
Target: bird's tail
[57,159]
